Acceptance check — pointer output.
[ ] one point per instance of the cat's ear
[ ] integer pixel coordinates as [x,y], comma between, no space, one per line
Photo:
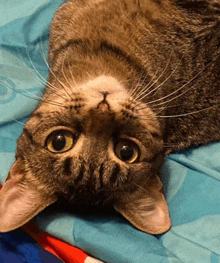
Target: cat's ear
[19,201]
[146,209]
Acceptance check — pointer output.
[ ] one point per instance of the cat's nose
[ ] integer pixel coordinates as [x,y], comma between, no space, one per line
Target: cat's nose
[104,93]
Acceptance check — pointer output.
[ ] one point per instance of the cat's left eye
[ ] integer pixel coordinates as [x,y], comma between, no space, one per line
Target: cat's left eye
[127,151]
[59,141]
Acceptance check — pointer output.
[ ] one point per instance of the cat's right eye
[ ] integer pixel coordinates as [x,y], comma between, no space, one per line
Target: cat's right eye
[59,141]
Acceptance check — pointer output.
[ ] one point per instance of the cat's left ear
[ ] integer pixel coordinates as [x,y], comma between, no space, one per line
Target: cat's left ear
[146,209]
[19,200]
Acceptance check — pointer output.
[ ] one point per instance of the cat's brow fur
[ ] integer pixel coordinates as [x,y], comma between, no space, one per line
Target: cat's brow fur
[157,62]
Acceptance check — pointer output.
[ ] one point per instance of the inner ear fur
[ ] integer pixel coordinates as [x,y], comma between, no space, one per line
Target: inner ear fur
[20,200]
[146,208]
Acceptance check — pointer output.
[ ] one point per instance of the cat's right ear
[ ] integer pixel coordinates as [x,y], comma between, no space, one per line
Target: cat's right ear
[146,208]
[20,201]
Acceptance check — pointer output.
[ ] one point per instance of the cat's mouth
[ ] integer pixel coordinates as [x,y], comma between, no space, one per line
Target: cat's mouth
[103,106]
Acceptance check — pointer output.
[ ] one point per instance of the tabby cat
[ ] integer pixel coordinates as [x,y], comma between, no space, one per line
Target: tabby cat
[129,81]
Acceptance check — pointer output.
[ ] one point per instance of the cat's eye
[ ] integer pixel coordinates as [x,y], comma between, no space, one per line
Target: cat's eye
[127,151]
[59,141]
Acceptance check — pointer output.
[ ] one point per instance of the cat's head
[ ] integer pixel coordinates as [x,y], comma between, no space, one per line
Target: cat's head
[91,144]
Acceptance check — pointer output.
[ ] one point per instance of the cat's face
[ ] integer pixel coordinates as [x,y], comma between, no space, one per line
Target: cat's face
[101,139]
[94,145]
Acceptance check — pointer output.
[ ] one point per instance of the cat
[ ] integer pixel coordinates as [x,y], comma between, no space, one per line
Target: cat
[129,82]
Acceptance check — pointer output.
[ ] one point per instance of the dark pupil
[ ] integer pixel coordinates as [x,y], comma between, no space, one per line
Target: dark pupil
[59,142]
[126,152]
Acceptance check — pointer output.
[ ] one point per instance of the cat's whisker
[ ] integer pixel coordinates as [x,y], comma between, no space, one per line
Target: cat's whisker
[171,106]
[132,92]
[156,110]
[19,92]
[57,92]
[182,115]
[140,187]
[179,89]
[19,122]
[160,109]
[21,60]
[142,90]
[148,88]
[72,79]
[189,113]
[52,102]
[89,75]
[52,86]
[138,85]
[35,70]
[68,81]
[61,83]
[157,87]
[36,98]
[41,79]
[149,85]
[168,101]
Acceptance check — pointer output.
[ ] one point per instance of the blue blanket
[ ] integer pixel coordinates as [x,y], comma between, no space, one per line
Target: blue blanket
[191,178]
[17,247]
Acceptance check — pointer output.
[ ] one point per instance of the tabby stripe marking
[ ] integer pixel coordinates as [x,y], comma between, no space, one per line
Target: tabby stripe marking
[79,178]
[114,174]
[66,165]
[101,173]
[103,46]
[30,137]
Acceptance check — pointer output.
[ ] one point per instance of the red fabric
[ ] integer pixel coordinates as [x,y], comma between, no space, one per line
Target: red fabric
[66,252]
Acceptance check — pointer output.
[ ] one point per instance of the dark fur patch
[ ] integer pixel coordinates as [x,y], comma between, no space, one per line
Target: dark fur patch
[30,137]
[80,175]
[37,114]
[114,174]
[103,46]
[101,173]
[70,43]
[67,165]
[106,46]
[91,169]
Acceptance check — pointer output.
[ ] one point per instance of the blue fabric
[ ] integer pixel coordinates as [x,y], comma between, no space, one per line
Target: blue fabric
[191,178]
[17,247]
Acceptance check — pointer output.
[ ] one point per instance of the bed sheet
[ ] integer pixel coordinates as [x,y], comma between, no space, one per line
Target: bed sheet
[191,178]
[17,247]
